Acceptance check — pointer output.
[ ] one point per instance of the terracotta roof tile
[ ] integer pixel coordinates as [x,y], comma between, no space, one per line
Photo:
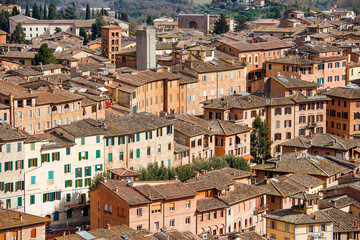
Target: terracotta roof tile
[11,219]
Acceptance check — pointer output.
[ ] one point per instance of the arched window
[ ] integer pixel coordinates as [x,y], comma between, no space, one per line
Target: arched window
[54,109]
[246,222]
[250,59]
[66,107]
[33,233]
[250,221]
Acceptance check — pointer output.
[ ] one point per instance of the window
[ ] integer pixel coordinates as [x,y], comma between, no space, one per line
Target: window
[56,156]
[98,153]
[323,227]
[68,151]
[33,180]
[139,212]
[156,209]
[78,183]
[69,213]
[172,223]
[272,224]
[32,162]
[68,183]
[67,168]
[19,164]
[277,136]
[286,227]
[82,141]
[87,171]
[277,124]
[98,167]
[172,207]
[277,111]
[32,199]
[187,204]
[156,225]
[97,139]
[83,156]
[8,166]
[78,172]
[311,228]
[19,147]
[187,220]
[52,196]
[330,65]
[50,175]
[45,157]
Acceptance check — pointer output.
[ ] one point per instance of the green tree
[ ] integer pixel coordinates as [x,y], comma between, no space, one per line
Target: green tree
[4,20]
[18,36]
[96,27]
[93,14]
[44,55]
[98,178]
[241,24]
[52,11]
[58,30]
[124,17]
[88,12]
[27,11]
[15,11]
[70,12]
[150,20]
[259,141]
[41,12]
[45,12]
[35,11]
[221,26]
[83,34]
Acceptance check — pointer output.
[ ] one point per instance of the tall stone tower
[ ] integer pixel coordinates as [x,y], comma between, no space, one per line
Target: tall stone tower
[110,41]
[145,48]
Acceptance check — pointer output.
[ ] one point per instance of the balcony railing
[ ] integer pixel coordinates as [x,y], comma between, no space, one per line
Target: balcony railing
[261,208]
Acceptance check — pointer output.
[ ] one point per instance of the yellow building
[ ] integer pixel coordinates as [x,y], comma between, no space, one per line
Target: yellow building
[302,221]
[353,71]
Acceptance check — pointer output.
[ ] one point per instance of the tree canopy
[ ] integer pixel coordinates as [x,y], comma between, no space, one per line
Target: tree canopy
[156,172]
[221,26]
[35,11]
[88,12]
[96,27]
[44,55]
[259,141]
[70,12]
[52,11]
[98,178]
[18,36]
[84,34]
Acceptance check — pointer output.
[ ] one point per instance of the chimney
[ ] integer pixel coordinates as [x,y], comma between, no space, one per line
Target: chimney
[21,217]
[30,90]
[78,229]
[176,177]
[108,226]
[316,216]
[355,224]
[339,224]
[105,179]
[116,189]
[197,175]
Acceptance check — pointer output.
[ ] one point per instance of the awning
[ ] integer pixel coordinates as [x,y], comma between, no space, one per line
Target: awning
[247,157]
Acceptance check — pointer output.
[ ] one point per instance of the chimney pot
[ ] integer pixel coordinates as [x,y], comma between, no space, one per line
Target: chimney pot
[105,179]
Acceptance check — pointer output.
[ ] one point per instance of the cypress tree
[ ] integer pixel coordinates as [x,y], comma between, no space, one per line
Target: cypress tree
[27,11]
[41,12]
[45,12]
[18,36]
[221,26]
[88,13]
[52,11]
[35,11]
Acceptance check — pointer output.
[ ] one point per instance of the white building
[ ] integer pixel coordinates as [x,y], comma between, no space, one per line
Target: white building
[53,173]
[34,28]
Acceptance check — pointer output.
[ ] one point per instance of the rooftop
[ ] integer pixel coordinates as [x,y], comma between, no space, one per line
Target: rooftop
[12,219]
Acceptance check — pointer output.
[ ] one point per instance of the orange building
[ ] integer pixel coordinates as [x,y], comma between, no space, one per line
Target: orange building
[3,36]
[110,41]
[143,206]
[343,114]
[256,52]
[226,202]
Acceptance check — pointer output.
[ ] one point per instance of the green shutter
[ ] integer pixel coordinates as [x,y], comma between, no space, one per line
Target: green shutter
[119,140]
[112,141]
[150,134]
[138,137]
[138,153]
[16,165]
[157,132]
[90,171]
[87,155]
[44,197]
[53,156]
[59,156]
[79,156]
[161,131]
[110,157]
[101,167]
[129,138]
[11,165]
[35,162]
[42,158]
[22,164]
[70,183]
[16,187]
[107,141]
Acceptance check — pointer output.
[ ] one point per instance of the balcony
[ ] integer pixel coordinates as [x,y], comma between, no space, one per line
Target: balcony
[311,125]
[261,208]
